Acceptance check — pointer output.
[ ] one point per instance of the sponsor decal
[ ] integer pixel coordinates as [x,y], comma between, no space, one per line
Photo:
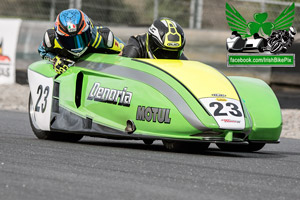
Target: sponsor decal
[71,27]
[221,99]
[4,61]
[153,114]
[8,43]
[101,94]
[218,95]
[230,121]
[173,44]
[4,71]
[76,50]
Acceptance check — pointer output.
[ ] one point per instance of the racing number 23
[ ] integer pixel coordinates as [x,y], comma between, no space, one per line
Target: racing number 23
[41,93]
[234,109]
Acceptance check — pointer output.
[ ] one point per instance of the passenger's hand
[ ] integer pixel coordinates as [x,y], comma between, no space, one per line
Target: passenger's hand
[60,64]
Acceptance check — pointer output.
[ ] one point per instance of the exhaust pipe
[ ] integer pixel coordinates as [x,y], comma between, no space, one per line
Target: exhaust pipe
[130,127]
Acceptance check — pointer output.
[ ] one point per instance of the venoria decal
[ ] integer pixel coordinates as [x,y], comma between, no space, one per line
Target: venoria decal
[153,114]
[101,94]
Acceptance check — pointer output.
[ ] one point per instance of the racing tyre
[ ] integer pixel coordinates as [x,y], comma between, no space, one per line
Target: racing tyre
[261,48]
[250,147]
[48,135]
[185,146]
[276,47]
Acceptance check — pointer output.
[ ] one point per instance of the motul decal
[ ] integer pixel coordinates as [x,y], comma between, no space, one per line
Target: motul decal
[153,114]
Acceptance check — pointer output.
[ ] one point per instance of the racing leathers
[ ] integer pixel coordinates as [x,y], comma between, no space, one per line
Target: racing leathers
[137,47]
[102,41]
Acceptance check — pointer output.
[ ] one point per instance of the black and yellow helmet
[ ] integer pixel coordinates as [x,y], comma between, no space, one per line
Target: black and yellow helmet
[165,39]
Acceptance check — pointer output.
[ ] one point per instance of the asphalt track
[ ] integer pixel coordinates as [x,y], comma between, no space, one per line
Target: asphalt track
[107,169]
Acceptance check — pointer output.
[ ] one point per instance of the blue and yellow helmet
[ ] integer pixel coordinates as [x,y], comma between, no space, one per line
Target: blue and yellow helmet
[165,39]
[73,29]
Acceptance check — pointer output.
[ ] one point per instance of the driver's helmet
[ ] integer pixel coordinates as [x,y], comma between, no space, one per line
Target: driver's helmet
[165,39]
[74,30]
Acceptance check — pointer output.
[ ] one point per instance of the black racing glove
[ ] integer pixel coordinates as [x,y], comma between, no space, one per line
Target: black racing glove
[61,64]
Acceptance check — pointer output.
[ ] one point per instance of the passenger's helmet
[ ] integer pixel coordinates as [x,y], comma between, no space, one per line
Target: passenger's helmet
[74,30]
[165,39]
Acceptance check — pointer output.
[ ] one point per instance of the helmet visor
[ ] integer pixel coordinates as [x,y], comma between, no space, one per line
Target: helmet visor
[75,43]
[167,54]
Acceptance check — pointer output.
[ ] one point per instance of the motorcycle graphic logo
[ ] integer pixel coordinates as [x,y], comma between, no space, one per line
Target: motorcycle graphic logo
[280,33]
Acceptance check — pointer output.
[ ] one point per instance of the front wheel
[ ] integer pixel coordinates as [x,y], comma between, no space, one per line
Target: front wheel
[276,47]
[250,147]
[48,135]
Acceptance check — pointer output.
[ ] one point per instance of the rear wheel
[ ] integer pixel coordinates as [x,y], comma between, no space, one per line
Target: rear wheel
[250,147]
[48,135]
[185,146]
[260,48]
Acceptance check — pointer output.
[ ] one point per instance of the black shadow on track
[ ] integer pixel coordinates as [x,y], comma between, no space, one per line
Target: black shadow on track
[212,151]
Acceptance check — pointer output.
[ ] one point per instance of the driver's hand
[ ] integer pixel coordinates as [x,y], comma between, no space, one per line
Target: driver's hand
[60,65]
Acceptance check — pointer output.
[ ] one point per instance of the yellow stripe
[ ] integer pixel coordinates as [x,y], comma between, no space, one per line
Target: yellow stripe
[202,80]
[99,41]
[118,47]
[56,44]
[147,47]
[95,39]
[167,42]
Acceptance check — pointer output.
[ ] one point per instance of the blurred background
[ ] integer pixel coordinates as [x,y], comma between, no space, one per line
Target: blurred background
[204,23]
